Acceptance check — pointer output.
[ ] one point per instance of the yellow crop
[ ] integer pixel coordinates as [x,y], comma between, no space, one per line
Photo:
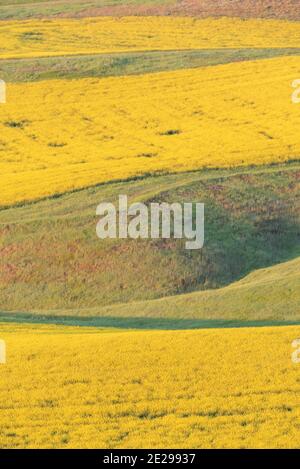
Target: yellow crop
[58,135]
[94,35]
[72,387]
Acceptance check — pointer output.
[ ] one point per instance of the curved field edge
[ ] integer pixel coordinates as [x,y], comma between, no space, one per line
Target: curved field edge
[205,388]
[219,116]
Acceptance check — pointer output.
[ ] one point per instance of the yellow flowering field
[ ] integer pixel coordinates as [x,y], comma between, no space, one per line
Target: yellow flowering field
[70,387]
[59,135]
[34,38]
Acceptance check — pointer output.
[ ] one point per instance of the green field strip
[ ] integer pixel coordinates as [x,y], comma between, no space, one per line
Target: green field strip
[134,63]
[52,260]
[131,323]
[20,9]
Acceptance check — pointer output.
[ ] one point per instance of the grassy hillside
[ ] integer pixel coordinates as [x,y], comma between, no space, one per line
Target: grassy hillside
[287,9]
[52,259]
[271,294]
[23,9]
[268,296]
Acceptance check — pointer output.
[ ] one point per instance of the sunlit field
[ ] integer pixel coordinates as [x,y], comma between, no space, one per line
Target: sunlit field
[73,387]
[65,134]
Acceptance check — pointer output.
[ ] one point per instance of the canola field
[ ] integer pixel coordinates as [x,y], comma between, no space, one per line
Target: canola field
[219,388]
[35,38]
[59,135]
[80,387]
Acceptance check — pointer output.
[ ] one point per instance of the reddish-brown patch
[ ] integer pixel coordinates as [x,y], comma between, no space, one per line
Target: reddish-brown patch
[284,9]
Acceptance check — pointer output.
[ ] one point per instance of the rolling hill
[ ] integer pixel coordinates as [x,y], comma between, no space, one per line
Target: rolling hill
[51,258]
[265,296]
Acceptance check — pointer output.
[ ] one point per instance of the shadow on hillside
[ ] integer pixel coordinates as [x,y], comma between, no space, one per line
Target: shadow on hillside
[52,259]
[136,323]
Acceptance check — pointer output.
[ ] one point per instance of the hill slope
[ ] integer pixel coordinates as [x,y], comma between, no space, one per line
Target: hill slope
[271,294]
[52,259]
